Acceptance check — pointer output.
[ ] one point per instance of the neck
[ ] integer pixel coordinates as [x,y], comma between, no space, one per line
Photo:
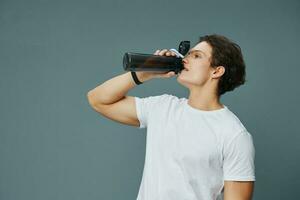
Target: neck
[204,99]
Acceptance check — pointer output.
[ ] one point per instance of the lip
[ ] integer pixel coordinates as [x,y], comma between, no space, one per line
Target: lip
[185,68]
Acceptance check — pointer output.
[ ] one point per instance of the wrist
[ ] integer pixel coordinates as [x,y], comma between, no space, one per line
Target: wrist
[143,77]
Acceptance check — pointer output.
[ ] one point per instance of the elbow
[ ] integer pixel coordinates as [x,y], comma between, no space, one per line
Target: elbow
[90,99]
[93,100]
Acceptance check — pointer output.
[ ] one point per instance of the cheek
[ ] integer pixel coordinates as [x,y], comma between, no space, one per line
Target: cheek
[200,73]
[198,76]
[200,70]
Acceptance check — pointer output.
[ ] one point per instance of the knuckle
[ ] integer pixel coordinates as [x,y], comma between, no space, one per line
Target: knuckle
[165,51]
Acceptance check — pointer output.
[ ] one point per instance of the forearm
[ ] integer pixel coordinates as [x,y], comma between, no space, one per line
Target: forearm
[114,89]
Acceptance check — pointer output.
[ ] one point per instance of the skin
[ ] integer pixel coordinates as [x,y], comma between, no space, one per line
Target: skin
[238,190]
[202,79]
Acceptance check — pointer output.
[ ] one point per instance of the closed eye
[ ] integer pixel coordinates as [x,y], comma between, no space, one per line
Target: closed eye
[193,54]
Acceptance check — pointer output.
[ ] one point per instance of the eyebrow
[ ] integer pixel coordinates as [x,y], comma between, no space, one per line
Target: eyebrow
[196,50]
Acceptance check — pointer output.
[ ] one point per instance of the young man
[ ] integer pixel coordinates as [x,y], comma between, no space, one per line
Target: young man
[197,149]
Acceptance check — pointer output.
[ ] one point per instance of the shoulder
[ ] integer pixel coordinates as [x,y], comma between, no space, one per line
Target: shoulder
[171,100]
[157,101]
[152,98]
[174,98]
[240,137]
[165,98]
[231,128]
[232,124]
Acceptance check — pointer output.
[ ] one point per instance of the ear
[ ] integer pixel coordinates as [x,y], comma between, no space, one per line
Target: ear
[218,71]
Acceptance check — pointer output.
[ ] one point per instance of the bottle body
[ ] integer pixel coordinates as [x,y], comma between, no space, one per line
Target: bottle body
[150,62]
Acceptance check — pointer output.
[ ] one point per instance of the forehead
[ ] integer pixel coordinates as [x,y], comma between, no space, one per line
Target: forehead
[204,47]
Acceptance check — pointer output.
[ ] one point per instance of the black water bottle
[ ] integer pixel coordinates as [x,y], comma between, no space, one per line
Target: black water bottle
[150,62]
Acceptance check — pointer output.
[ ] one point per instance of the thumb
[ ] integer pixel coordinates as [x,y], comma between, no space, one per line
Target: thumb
[167,75]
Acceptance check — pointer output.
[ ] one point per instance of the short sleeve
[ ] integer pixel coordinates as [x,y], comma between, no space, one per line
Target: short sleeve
[239,155]
[144,106]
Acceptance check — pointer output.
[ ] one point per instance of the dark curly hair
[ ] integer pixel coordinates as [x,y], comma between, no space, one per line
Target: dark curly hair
[228,54]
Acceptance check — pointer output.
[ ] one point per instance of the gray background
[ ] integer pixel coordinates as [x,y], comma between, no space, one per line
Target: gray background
[54,146]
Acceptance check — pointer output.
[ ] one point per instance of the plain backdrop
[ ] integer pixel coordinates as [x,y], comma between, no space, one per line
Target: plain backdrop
[53,145]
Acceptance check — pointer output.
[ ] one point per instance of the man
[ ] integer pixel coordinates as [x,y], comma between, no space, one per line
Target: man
[197,149]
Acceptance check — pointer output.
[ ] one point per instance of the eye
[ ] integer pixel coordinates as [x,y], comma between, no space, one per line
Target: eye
[193,54]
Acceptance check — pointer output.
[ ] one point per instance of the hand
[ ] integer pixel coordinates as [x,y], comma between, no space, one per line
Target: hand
[145,75]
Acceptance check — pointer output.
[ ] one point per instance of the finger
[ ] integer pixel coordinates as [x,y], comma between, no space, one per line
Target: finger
[168,53]
[162,52]
[169,74]
[156,52]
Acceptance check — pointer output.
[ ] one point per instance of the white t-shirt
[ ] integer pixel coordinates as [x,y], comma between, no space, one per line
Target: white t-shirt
[190,152]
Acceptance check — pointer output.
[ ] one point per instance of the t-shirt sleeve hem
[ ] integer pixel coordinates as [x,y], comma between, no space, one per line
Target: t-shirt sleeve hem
[138,113]
[237,178]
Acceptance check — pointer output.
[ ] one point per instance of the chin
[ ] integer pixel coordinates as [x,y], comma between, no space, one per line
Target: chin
[181,81]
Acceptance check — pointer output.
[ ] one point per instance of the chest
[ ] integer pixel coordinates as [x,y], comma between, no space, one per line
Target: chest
[193,144]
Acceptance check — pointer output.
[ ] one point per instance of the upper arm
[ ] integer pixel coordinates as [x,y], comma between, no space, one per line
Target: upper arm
[238,190]
[239,168]
[238,158]
[122,111]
